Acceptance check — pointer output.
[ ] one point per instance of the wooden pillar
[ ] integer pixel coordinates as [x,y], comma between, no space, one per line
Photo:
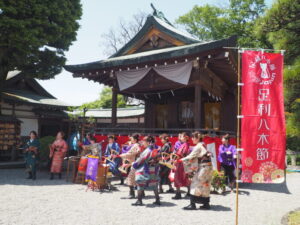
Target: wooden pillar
[228,112]
[39,127]
[197,106]
[114,107]
[147,118]
[83,121]
[149,114]
[172,113]
[13,110]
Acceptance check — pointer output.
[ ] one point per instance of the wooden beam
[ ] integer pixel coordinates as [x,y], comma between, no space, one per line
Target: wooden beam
[216,78]
[153,31]
[233,59]
[207,83]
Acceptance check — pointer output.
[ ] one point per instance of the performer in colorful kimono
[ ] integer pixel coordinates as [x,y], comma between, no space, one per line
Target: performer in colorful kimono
[198,163]
[181,179]
[177,143]
[164,170]
[113,149]
[147,170]
[227,158]
[87,139]
[93,148]
[57,153]
[128,158]
[31,155]
[126,147]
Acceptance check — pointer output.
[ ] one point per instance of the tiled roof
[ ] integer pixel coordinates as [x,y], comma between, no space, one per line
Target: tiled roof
[29,97]
[159,54]
[155,22]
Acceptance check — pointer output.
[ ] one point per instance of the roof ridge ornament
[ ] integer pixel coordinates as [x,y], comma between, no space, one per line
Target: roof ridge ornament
[160,15]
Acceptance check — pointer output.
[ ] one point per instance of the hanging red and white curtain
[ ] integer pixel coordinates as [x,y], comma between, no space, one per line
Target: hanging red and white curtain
[263,137]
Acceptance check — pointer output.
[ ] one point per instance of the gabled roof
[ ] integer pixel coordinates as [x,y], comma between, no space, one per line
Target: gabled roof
[22,96]
[153,55]
[162,25]
[14,77]
[12,74]
[30,92]
[158,42]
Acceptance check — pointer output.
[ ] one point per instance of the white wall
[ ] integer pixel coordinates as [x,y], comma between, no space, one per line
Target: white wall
[28,125]
[28,118]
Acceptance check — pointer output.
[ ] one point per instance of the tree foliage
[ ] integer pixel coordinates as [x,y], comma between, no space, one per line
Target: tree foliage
[281,26]
[104,100]
[291,84]
[256,26]
[292,99]
[34,35]
[211,22]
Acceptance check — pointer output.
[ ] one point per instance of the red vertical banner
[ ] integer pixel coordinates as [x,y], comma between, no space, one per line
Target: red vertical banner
[263,137]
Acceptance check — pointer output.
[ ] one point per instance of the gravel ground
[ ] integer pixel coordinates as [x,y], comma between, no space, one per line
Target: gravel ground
[43,201]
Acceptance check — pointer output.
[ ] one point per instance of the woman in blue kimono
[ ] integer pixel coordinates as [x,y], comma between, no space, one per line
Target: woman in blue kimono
[147,170]
[31,154]
[113,150]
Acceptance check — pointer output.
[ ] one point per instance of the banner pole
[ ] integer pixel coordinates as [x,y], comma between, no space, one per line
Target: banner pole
[238,139]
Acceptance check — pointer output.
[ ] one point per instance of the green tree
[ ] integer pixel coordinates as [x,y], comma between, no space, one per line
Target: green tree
[104,100]
[211,22]
[34,35]
[281,26]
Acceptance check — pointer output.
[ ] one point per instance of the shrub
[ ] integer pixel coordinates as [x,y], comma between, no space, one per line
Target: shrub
[293,143]
[289,160]
[44,149]
[218,181]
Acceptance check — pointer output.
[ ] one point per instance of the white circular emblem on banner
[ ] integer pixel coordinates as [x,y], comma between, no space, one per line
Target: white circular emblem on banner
[261,70]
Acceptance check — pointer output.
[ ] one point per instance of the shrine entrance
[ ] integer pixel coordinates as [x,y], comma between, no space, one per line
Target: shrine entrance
[161,116]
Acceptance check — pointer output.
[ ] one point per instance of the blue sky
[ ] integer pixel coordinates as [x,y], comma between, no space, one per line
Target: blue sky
[98,17]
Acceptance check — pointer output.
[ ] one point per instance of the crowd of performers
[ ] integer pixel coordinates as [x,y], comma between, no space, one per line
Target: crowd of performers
[148,166]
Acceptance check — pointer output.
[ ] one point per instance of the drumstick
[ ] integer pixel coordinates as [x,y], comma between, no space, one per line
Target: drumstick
[108,159]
